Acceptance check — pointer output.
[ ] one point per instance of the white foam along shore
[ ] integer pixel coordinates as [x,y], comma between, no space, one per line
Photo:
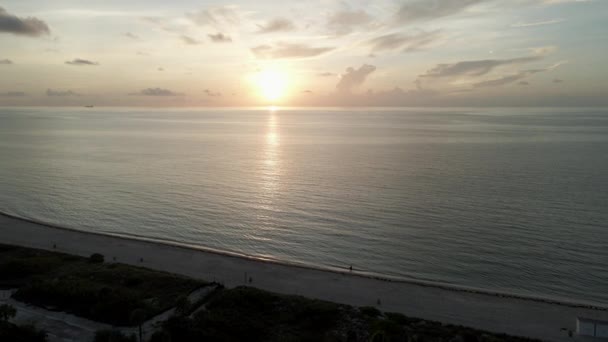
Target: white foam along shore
[502,313]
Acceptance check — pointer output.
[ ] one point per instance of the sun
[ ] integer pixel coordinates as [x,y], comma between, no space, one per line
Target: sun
[272,84]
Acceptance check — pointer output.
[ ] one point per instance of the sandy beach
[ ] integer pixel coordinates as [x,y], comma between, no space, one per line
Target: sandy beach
[536,318]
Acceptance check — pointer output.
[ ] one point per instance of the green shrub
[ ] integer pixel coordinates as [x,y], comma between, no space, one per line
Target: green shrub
[160,336]
[26,333]
[96,258]
[7,312]
[370,311]
[113,336]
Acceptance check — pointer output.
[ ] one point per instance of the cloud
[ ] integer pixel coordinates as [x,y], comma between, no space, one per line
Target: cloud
[189,40]
[514,77]
[543,50]
[153,20]
[408,43]
[5,62]
[287,50]
[160,69]
[501,81]
[131,35]
[344,22]
[276,25]
[555,2]
[220,38]
[13,94]
[82,62]
[212,94]
[418,10]
[475,68]
[353,78]
[557,80]
[33,27]
[326,74]
[538,23]
[156,92]
[51,92]
[217,17]
[523,83]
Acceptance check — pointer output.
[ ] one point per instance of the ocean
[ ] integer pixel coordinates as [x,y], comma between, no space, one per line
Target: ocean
[502,199]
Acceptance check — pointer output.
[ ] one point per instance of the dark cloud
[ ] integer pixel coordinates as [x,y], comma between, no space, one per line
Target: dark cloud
[13,94]
[345,22]
[212,94]
[5,61]
[189,40]
[220,38]
[475,68]
[524,83]
[82,62]
[156,92]
[557,80]
[407,43]
[276,25]
[131,35]
[30,26]
[286,50]
[51,92]
[218,17]
[431,9]
[353,78]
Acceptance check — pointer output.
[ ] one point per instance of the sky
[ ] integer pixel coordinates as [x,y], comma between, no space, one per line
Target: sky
[304,53]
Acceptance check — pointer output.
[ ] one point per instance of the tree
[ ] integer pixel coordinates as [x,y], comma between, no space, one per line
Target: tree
[138,317]
[96,258]
[7,312]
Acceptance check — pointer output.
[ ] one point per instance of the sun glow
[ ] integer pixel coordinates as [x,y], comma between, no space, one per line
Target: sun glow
[272,84]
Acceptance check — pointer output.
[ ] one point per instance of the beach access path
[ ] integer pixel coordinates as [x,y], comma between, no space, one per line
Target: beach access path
[535,318]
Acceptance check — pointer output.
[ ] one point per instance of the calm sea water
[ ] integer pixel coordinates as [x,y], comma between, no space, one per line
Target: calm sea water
[502,199]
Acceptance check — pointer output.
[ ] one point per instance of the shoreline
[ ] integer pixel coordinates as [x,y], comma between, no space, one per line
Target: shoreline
[492,311]
[355,273]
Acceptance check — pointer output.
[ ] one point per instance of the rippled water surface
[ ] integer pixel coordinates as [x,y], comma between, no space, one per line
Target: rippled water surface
[502,199]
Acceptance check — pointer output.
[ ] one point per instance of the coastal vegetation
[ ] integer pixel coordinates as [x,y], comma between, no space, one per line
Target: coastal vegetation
[104,292]
[13,332]
[124,295]
[249,314]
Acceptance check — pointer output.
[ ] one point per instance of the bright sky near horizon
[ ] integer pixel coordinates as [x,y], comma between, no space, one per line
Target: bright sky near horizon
[304,53]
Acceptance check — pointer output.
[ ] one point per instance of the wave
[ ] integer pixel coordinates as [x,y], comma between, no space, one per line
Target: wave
[322,268]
